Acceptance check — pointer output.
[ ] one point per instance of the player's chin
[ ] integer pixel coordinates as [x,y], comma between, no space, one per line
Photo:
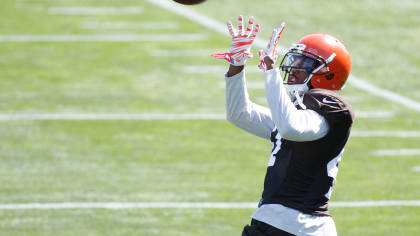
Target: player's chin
[292,79]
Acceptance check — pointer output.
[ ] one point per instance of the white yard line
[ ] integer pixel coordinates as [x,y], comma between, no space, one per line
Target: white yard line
[376,203]
[416,168]
[221,28]
[374,114]
[386,133]
[194,69]
[182,53]
[353,99]
[396,152]
[209,205]
[249,85]
[129,205]
[169,116]
[64,38]
[130,25]
[95,10]
[45,1]
[383,93]
[98,116]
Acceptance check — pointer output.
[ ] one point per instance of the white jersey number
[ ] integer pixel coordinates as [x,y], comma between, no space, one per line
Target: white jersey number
[332,170]
[276,149]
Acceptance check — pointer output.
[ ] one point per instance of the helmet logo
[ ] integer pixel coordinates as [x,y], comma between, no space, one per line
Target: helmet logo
[298,46]
[329,76]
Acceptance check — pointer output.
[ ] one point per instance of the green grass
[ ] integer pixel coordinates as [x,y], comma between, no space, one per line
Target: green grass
[349,221]
[187,161]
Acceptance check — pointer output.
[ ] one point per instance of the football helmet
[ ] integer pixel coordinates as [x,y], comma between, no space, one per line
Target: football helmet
[324,60]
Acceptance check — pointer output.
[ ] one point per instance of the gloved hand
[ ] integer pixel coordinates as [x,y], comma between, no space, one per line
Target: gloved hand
[240,49]
[271,49]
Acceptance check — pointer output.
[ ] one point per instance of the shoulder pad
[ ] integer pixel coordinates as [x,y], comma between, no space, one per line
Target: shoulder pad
[327,103]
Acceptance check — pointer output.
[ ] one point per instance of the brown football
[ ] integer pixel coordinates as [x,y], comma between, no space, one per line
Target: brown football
[189,2]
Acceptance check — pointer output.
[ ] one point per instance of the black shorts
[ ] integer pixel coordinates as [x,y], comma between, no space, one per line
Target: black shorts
[258,228]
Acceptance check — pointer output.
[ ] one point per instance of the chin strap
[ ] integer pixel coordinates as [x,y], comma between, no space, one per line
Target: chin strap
[296,93]
[299,100]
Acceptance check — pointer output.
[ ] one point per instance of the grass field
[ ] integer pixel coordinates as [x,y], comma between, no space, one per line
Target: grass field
[209,160]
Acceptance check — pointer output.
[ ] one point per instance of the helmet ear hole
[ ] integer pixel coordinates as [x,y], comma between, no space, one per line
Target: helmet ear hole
[329,76]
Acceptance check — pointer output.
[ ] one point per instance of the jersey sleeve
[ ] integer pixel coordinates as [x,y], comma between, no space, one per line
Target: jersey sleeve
[242,112]
[292,124]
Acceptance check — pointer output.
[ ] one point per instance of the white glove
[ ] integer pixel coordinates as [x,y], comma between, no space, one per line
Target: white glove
[240,49]
[271,49]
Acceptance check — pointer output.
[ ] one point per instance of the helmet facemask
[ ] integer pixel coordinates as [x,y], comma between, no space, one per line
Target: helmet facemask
[298,67]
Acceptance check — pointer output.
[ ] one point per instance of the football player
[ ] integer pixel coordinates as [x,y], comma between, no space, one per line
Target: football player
[307,123]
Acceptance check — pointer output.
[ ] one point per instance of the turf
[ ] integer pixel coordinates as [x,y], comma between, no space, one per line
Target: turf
[187,161]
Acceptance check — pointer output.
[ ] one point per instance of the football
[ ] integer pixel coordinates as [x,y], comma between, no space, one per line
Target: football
[189,2]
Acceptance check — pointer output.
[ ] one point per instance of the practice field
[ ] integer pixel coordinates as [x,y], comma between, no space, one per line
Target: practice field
[112,116]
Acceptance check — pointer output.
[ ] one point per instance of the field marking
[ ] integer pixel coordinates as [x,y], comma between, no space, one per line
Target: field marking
[376,203]
[374,114]
[396,152]
[353,99]
[249,85]
[416,168]
[43,1]
[159,116]
[193,69]
[386,133]
[208,205]
[130,25]
[221,28]
[128,205]
[109,116]
[181,53]
[64,38]
[383,93]
[95,10]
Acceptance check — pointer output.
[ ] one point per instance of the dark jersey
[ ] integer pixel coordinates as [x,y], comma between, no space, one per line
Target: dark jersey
[301,175]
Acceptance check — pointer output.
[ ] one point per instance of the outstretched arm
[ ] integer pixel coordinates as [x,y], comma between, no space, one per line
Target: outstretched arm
[292,124]
[234,70]
[242,112]
[239,109]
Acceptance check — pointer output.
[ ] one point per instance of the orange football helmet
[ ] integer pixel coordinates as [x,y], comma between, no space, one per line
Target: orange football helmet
[323,57]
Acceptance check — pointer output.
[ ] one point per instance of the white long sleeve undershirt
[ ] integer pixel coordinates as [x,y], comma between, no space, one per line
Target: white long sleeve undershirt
[292,124]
